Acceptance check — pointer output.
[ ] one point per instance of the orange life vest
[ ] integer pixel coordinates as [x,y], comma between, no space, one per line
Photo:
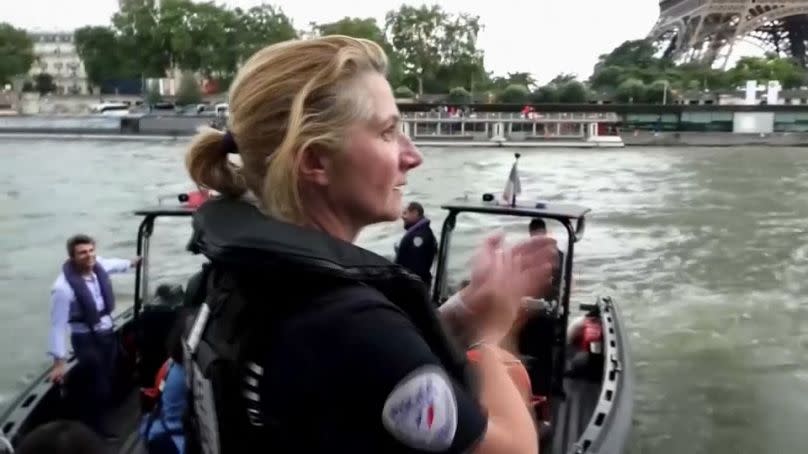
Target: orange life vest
[516,370]
[520,377]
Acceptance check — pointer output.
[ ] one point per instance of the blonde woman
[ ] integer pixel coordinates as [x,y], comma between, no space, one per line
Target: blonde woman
[342,350]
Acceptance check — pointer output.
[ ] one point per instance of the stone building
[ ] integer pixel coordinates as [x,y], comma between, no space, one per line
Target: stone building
[56,55]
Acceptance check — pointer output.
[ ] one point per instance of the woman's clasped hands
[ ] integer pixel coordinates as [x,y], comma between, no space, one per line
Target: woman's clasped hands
[501,276]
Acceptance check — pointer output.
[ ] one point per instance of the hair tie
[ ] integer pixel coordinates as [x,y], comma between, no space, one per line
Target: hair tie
[229,143]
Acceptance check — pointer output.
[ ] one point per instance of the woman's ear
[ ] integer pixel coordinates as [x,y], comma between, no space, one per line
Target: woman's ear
[315,165]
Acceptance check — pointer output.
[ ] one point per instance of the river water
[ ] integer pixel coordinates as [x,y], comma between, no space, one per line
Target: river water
[705,250]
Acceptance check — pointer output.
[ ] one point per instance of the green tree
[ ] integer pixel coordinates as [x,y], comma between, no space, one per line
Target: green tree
[500,83]
[608,77]
[98,48]
[194,36]
[468,72]
[696,76]
[261,26]
[414,34]
[141,43]
[44,83]
[404,92]
[395,70]
[784,70]
[428,41]
[655,93]
[546,94]
[515,94]
[212,31]
[188,92]
[631,60]
[459,95]
[366,28]
[633,53]
[572,92]
[173,33]
[356,27]
[634,63]
[522,78]
[562,79]
[631,90]
[16,52]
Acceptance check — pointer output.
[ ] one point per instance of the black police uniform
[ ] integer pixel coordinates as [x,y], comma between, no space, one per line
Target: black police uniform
[337,349]
[417,249]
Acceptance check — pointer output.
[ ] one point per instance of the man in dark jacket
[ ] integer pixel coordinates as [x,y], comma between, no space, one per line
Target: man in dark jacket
[417,249]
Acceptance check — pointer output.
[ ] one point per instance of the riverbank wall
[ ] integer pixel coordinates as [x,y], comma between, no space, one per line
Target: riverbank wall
[715,139]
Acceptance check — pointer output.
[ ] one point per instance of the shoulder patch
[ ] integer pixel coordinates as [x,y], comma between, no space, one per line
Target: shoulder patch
[417,241]
[421,411]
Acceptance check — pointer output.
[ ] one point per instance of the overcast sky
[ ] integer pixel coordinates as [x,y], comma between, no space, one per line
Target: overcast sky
[544,37]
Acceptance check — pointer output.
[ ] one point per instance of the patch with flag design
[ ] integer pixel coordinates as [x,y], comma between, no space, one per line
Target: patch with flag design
[421,411]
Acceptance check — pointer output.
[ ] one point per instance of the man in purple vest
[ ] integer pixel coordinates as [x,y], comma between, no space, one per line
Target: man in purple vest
[82,298]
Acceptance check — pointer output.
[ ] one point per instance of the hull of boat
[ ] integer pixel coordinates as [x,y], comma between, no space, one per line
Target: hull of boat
[596,416]
[592,416]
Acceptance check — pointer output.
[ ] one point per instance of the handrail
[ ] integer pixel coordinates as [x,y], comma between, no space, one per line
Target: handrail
[617,370]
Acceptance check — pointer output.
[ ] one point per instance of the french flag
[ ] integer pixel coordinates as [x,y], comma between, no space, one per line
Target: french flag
[513,187]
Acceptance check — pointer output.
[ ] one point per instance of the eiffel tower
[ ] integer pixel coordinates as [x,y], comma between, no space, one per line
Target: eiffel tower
[706,31]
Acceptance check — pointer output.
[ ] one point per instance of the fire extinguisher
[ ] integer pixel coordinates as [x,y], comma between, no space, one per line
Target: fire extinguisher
[591,335]
[587,359]
[194,199]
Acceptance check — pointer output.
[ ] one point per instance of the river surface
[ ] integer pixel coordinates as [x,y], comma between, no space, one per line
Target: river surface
[705,250]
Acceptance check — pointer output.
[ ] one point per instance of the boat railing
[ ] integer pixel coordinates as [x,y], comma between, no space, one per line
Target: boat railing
[539,117]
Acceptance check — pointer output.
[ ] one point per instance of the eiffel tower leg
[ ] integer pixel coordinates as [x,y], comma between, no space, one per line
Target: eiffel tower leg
[796,30]
[694,37]
[731,46]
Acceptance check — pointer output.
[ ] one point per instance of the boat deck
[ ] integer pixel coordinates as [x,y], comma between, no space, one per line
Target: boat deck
[124,422]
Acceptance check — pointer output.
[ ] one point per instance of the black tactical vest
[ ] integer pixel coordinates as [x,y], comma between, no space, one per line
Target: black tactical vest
[253,259]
